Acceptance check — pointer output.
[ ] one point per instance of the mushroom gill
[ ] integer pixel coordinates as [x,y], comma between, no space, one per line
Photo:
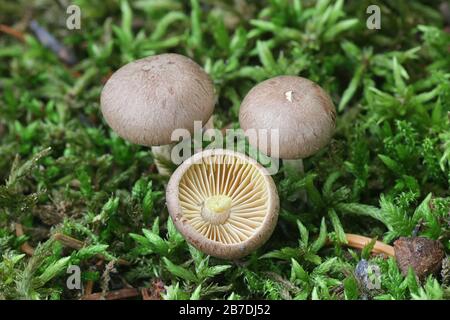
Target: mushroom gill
[224,198]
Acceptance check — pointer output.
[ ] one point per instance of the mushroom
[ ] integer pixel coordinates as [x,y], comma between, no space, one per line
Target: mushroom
[298,108]
[147,99]
[223,202]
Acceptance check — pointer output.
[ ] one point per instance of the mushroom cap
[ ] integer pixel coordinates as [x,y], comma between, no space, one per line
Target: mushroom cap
[147,99]
[301,110]
[223,202]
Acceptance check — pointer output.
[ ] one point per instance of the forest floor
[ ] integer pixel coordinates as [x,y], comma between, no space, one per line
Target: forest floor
[73,193]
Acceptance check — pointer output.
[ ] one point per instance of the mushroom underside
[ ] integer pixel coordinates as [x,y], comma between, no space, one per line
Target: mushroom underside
[224,198]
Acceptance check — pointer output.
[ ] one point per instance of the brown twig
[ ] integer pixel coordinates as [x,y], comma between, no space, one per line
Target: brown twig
[49,41]
[359,242]
[88,287]
[77,245]
[63,53]
[69,241]
[145,295]
[99,263]
[154,292]
[124,293]
[25,247]
[12,32]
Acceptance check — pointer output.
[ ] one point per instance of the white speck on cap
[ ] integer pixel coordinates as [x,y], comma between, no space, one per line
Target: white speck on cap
[288,95]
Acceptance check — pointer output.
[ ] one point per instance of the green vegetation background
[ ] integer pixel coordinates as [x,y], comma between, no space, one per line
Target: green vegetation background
[385,174]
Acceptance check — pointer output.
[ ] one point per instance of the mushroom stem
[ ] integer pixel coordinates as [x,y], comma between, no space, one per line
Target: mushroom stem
[216,209]
[25,247]
[161,155]
[359,242]
[296,165]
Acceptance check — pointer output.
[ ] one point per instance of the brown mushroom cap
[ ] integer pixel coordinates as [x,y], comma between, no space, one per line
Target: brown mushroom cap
[301,110]
[223,202]
[147,99]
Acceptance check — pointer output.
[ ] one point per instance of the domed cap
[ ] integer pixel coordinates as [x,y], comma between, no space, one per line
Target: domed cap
[146,100]
[301,110]
[223,202]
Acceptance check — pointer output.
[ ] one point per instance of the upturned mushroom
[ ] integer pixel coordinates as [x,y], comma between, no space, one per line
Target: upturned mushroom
[298,108]
[223,202]
[147,99]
